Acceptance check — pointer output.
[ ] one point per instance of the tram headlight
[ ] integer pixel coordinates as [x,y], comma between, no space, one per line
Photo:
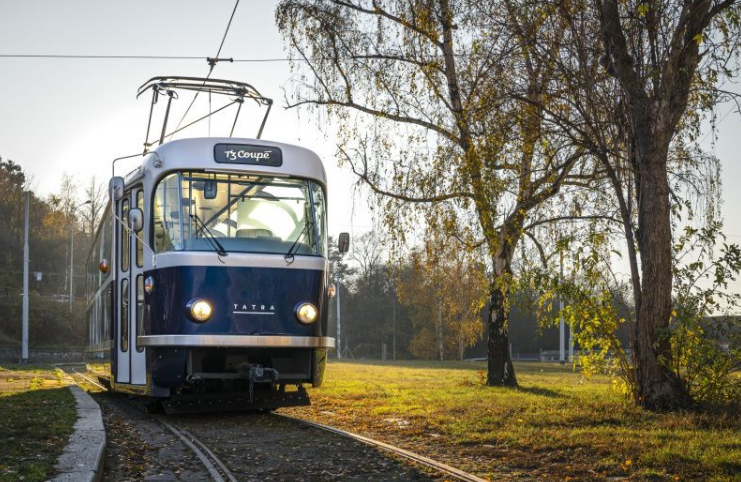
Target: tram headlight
[306,313]
[199,310]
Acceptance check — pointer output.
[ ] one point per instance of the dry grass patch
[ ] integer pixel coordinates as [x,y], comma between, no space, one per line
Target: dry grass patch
[556,426]
[38,413]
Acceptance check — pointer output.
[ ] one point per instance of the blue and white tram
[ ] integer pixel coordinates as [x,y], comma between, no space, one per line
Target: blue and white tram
[208,280]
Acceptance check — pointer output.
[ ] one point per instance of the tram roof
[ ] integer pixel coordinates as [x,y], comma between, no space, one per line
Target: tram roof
[200,153]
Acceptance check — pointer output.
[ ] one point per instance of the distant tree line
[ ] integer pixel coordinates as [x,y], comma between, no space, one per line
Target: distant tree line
[425,305]
[54,221]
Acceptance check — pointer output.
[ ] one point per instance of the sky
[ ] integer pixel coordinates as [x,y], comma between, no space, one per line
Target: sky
[74,116]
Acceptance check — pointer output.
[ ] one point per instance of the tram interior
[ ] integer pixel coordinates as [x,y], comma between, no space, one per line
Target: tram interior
[243,213]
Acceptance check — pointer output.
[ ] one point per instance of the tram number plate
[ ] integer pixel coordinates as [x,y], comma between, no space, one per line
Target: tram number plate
[248,154]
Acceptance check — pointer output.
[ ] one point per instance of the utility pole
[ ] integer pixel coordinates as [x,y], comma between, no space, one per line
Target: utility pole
[440,328]
[24,335]
[562,325]
[339,323]
[571,342]
[393,326]
[71,264]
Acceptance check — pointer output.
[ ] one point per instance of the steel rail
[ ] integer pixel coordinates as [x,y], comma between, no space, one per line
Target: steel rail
[211,455]
[88,379]
[209,460]
[421,459]
[215,467]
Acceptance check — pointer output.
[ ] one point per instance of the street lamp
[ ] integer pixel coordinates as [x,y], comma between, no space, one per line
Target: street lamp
[72,253]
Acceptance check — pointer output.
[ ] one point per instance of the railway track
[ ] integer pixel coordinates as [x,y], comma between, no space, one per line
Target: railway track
[420,459]
[215,467]
[220,473]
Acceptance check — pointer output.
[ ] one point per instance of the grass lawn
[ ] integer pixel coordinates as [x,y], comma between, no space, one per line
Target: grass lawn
[37,413]
[556,426]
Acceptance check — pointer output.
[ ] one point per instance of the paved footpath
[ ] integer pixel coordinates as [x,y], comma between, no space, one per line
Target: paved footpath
[82,459]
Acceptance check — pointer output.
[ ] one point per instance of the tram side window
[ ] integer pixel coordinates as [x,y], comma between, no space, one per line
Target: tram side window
[99,257]
[124,314]
[125,236]
[167,235]
[107,318]
[107,235]
[139,246]
[139,310]
[95,325]
[318,195]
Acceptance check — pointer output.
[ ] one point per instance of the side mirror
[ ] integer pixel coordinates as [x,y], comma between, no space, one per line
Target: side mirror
[343,243]
[136,220]
[209,190]
[116,188]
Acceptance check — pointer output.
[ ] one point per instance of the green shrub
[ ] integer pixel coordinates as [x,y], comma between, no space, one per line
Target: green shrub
[50,322]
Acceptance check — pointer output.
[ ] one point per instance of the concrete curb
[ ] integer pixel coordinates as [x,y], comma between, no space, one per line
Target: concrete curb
[82,459]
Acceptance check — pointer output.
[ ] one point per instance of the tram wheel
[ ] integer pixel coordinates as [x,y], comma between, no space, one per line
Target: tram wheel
[153,407]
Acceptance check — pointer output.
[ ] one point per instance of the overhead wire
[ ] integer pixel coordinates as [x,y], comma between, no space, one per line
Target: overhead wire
[174,57]
[212,64]
[101,57]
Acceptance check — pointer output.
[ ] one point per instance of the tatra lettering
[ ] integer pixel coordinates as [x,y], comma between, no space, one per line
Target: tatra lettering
[245,307]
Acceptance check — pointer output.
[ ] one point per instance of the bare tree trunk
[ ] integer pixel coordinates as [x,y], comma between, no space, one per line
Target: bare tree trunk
[657,386]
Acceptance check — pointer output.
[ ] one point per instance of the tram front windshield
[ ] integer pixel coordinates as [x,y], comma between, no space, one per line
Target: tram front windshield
[244,213]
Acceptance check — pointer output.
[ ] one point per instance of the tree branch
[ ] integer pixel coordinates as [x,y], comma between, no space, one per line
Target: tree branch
[402,197]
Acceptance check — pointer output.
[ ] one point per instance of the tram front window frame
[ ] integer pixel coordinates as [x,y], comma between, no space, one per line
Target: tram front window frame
[245,213]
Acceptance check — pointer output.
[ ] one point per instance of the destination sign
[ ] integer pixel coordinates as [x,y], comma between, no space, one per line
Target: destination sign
[248,154]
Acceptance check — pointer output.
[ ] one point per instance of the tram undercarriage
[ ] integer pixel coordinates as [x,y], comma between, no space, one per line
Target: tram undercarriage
[236,378]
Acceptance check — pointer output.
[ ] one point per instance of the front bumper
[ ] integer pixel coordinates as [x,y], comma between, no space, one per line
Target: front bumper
[237,341]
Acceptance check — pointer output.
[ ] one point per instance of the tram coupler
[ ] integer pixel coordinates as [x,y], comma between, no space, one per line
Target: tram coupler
[258,374]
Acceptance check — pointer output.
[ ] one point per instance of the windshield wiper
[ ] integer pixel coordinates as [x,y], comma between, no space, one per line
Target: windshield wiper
[209,236]
[289,254]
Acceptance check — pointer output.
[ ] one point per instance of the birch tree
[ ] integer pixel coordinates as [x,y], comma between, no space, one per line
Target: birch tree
[417,95]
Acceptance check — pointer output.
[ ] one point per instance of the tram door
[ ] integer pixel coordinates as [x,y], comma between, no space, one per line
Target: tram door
[130,360]
[136,316]
[123,295]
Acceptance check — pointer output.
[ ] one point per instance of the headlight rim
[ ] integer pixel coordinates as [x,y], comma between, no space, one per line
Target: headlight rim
[297,312]
[189,310]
